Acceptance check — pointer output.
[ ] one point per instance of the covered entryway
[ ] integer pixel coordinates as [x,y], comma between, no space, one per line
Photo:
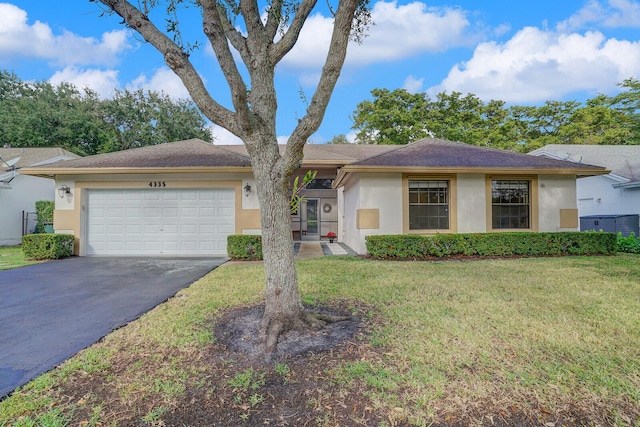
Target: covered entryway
[159,221]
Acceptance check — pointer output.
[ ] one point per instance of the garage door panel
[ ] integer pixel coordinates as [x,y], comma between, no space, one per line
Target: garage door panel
[225,229]
[159,221]
[223,211]
[152,212]
[187,229]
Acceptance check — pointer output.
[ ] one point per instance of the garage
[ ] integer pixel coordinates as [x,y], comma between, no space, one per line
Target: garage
[159,221]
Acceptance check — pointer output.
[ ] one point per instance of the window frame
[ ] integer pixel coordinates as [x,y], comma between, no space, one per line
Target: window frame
[452,203]
[533,201]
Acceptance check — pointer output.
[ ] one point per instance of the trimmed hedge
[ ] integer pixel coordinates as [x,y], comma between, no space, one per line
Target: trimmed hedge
[44,214]
[629,244]
[244,247]
[409,246]
[47,246]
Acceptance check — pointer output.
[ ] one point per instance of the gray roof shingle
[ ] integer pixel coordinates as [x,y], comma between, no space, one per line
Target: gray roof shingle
[425,153]
[622,160]
[432,152]
[29,156]
[188,153]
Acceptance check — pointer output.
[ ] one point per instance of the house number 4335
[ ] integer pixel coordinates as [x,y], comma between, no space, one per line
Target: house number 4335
[157,184]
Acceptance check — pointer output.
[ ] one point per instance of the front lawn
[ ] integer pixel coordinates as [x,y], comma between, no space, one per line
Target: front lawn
[539,341]
[12,257]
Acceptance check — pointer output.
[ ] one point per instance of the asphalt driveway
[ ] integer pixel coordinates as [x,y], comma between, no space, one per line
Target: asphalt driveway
[50,311]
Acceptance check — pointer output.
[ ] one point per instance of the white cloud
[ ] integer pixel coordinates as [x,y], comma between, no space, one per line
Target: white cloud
[537,65]
[102,82]
[163,80]
[412,84]
[351,137]
[223,136]
[615,14]
[20,39]
[409,30]
[399,31]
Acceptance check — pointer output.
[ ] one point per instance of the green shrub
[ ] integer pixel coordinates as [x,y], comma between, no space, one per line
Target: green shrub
[47,246]
[244,247]
[629,244]
[491,244]
[44,212]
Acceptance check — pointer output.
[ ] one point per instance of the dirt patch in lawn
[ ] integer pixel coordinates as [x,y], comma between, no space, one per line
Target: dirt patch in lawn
[307,384]
[238,329]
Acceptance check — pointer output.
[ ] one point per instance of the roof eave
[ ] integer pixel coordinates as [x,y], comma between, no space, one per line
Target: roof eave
[344,172]
[476,169]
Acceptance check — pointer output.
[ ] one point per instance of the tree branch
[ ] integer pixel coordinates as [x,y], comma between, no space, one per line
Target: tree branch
[220,31]
[330,74]
[286,43]
[274,19]
[175,58]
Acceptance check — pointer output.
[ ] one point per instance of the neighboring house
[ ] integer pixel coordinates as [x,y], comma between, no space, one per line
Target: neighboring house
[186,197]
[614,194]
[19,193]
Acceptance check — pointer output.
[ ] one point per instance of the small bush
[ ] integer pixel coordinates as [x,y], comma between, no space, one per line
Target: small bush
[44,213]
[629,244]
[491,244]
[244,247]
[47,246]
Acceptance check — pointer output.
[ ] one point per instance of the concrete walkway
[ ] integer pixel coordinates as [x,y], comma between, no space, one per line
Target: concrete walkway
[336,249]
[306,250]
[309,250]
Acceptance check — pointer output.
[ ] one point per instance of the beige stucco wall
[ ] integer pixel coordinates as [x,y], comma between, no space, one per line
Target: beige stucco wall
[471,209]
[555,192]
[381,192]
[70,211]
[371,198]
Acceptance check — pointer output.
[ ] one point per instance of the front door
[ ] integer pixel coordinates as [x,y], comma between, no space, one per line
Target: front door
[311,219]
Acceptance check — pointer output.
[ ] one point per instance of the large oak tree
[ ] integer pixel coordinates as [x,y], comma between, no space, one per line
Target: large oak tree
[40,114]
[260,38]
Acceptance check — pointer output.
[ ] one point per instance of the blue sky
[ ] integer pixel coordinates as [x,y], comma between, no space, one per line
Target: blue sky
[525,54]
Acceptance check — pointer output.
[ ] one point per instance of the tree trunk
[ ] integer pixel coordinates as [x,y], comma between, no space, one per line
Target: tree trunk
[283,306]
[254,118]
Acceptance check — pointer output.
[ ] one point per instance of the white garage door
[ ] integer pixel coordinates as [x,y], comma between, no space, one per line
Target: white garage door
[159,221]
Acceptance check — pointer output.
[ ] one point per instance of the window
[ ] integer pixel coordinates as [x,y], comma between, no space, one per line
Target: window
[428,204]
[511,204]
[320,184]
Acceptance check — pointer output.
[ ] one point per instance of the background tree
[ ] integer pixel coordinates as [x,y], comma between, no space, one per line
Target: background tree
[628,103]
[339,139]
[392,117]
[40,114]
[261,39]
[397,117]
[142,118]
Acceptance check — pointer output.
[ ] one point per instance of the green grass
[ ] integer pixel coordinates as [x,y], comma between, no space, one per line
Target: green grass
[12,257]
[453,337]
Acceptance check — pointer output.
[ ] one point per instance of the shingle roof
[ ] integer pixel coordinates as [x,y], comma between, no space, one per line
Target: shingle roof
[424,153]
[192,152]
[622,160]
[29,156]
[340,153]
[431,152]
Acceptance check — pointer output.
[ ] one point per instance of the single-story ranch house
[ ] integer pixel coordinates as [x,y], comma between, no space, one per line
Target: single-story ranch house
[186,197]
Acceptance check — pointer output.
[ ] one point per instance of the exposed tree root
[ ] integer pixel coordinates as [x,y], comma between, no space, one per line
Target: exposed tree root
[244,330]
[272,333]
[309,321]
[317,321]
